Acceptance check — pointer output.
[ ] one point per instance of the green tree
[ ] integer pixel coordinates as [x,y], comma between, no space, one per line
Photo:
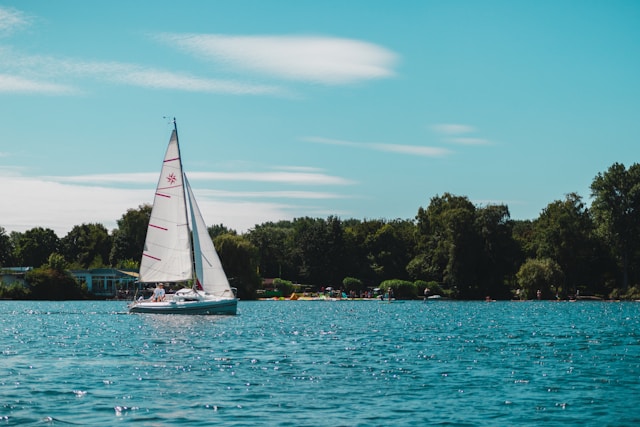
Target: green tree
[544,275]
[390,249]
[33,247]
[352,284]
[129,237]
[360,250]
[53,282]
[219,229]
[273,241]
[319,250]
[564,233]
[87,246]
[402,289]
[240,261]
[499,250]
[616,209]
[6,249]
[448,244]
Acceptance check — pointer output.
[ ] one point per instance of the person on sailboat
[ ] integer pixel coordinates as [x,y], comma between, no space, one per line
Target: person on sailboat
[158,293]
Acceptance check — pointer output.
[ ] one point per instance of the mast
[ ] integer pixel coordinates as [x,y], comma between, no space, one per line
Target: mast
[186,213]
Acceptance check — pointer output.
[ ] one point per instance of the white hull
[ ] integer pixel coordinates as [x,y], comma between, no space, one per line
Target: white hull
[187,303]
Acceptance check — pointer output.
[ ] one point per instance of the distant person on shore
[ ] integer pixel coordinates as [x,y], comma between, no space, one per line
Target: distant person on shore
[158,293]
[539,294]
[427,291]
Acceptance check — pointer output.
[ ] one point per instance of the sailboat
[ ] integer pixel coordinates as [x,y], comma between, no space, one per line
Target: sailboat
[178,248]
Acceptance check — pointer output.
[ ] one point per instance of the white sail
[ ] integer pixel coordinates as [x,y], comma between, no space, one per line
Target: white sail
[167,251]
[209,271]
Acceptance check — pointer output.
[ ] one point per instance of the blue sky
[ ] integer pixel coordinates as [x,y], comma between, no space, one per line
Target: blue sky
[360,109]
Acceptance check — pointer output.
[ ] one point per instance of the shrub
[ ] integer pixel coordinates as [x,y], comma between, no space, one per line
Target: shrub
[352,284]
[284,286]
[402,289]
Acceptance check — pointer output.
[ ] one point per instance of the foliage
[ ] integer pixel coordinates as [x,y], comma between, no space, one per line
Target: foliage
[240,260]
[53,284]
[128,238]
[564,233]
[544,275]
[352,284]
[402,289]
[6,249]
[15,291]
[470,250]
[57,262]
[454,247]
[616,209]
[273,241]
[33,247]
[87,246]
[284,286]
[219,229]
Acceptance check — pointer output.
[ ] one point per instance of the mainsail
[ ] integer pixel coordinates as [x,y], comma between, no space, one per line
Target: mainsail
[209,271]
[167,250]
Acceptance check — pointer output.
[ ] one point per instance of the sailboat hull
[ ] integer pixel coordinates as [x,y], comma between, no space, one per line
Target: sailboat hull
[206,307]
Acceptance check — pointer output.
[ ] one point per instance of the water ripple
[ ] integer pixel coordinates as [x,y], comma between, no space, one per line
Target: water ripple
[322,363]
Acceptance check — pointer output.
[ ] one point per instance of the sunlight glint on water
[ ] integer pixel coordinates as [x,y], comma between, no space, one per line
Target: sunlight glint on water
[322,363]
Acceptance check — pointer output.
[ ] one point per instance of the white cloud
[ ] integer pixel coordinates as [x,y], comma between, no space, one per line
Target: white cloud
[280,177]
[453,129]
[416,150]
[469,141]
[60,203]
[11,20]
[311,195]
[454,132]
[31,73]
[316,59]
[17,84]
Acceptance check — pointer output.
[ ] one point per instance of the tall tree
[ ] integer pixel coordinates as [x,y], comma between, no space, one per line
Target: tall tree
[563,233]
[449,244]
[272,241]
[128,238]
[499,251]
[87,246]
[391,248]
[616,208]
[33,247]
[318,248]
[239,259]
[6,249]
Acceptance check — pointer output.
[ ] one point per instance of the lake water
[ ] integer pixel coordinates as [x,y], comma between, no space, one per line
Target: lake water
[315,363]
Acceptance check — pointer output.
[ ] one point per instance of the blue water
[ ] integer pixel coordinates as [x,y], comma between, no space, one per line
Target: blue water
[315,363]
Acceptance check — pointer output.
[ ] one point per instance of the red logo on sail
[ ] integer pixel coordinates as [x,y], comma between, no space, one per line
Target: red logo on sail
[171,178]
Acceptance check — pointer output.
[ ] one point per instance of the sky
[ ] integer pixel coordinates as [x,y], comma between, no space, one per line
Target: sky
[361,109]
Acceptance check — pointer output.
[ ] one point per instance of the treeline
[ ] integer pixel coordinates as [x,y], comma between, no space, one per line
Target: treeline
[453,247]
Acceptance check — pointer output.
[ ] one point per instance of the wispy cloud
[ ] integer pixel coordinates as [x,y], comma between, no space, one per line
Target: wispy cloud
[18,84]
[311,195]
[453,129]
[281,177]
[416,150]
[316,59]
[60,203]
[43,74]
[457,134]
[12,20]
